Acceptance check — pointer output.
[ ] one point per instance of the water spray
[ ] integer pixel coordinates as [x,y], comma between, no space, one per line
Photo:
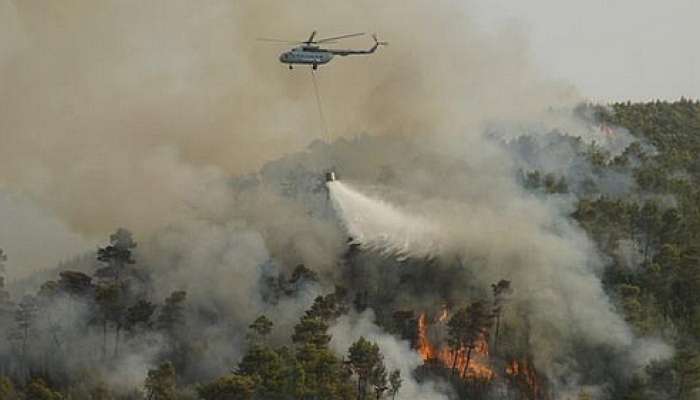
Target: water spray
[376,225]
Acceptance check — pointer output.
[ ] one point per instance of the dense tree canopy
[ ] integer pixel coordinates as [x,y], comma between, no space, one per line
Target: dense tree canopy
[648,235]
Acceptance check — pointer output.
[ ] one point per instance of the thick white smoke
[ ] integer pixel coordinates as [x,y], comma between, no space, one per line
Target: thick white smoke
[529,241]
[397,353]
[131,113]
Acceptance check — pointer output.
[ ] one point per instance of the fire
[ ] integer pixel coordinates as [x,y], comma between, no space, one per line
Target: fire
[478,367]
[443,315]
[425,348]
[524,375]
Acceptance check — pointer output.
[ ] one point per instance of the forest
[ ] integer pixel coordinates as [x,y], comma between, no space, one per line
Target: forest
[430,327]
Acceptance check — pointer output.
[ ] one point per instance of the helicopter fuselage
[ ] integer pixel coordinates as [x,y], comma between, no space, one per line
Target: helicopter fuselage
[308,55]
[315,56]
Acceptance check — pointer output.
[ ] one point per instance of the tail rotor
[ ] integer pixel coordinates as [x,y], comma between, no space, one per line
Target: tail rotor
[378,42]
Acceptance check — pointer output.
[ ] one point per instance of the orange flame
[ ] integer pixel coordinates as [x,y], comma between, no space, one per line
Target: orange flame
[523,374]
[478,367]
[425,348]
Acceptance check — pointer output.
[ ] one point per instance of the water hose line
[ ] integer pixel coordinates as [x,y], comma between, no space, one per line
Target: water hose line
[324,129]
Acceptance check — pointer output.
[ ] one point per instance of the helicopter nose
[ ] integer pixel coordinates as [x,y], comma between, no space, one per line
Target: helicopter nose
[283,57]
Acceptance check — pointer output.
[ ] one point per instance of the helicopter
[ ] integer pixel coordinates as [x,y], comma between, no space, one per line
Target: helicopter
[310,53]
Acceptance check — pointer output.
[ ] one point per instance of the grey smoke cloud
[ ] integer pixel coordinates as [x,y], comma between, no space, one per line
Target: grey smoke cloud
[33,237]
[397,354]
[97,91]
[137,114]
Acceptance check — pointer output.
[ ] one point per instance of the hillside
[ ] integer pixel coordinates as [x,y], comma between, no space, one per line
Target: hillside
[573,272]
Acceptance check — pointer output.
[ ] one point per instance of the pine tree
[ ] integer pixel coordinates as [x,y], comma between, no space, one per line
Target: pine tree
[229,387]
[500,290]
[466,328]
[260,328]
[172,313]
[7,389]
[395,382]
[25,318]
[39,390]
[687,367]
[160,383]
[366,361]
[117,255]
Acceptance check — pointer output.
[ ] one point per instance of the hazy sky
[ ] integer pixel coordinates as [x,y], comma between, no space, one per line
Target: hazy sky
[609,49]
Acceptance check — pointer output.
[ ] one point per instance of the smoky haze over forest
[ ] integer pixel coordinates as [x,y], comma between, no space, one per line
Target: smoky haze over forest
[124,105]
[168,118]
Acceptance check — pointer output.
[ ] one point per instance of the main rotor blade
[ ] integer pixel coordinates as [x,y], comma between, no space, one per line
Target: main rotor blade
[339,37]
[278,41]
[311,38]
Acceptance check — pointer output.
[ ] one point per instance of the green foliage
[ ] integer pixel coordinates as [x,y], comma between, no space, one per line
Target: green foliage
[25,319]
[75,284]
[3,258]
[404,325]
[172,314]
[325,376]
[672,127]
[657,291]
[7,389]
[583,395]
[101,392]
[302,273]
[139,314]
[117,255]
[229,387]
[311,331]
[328,307]
[260,328]
[395,382]
[687,367]
[660,293]
[636,390]
[266,367]
[366,361]
[38,390]
[549,183]
[161,383]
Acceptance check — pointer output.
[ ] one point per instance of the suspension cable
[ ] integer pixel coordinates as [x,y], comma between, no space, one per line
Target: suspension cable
[324,129]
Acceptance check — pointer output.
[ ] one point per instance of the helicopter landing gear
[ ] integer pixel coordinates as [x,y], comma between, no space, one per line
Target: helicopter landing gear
[290,67]
[315,67]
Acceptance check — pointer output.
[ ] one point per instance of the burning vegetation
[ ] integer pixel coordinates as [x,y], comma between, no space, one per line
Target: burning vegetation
[523,376]
[184,309]
[470,362]
[458,345]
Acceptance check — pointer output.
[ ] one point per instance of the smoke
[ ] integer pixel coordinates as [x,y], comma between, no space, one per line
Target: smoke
[137,114]
[505,233]
[397,354]
[95,92]
[23,226]
[225,270]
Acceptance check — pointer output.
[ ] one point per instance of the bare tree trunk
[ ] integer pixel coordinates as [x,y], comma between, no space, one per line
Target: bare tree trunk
[495,337]
[104,339]
[454,361]
[466,364]
[24,342]
[116,340]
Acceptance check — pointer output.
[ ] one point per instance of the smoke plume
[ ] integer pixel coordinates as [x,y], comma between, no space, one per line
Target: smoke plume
[167,117]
